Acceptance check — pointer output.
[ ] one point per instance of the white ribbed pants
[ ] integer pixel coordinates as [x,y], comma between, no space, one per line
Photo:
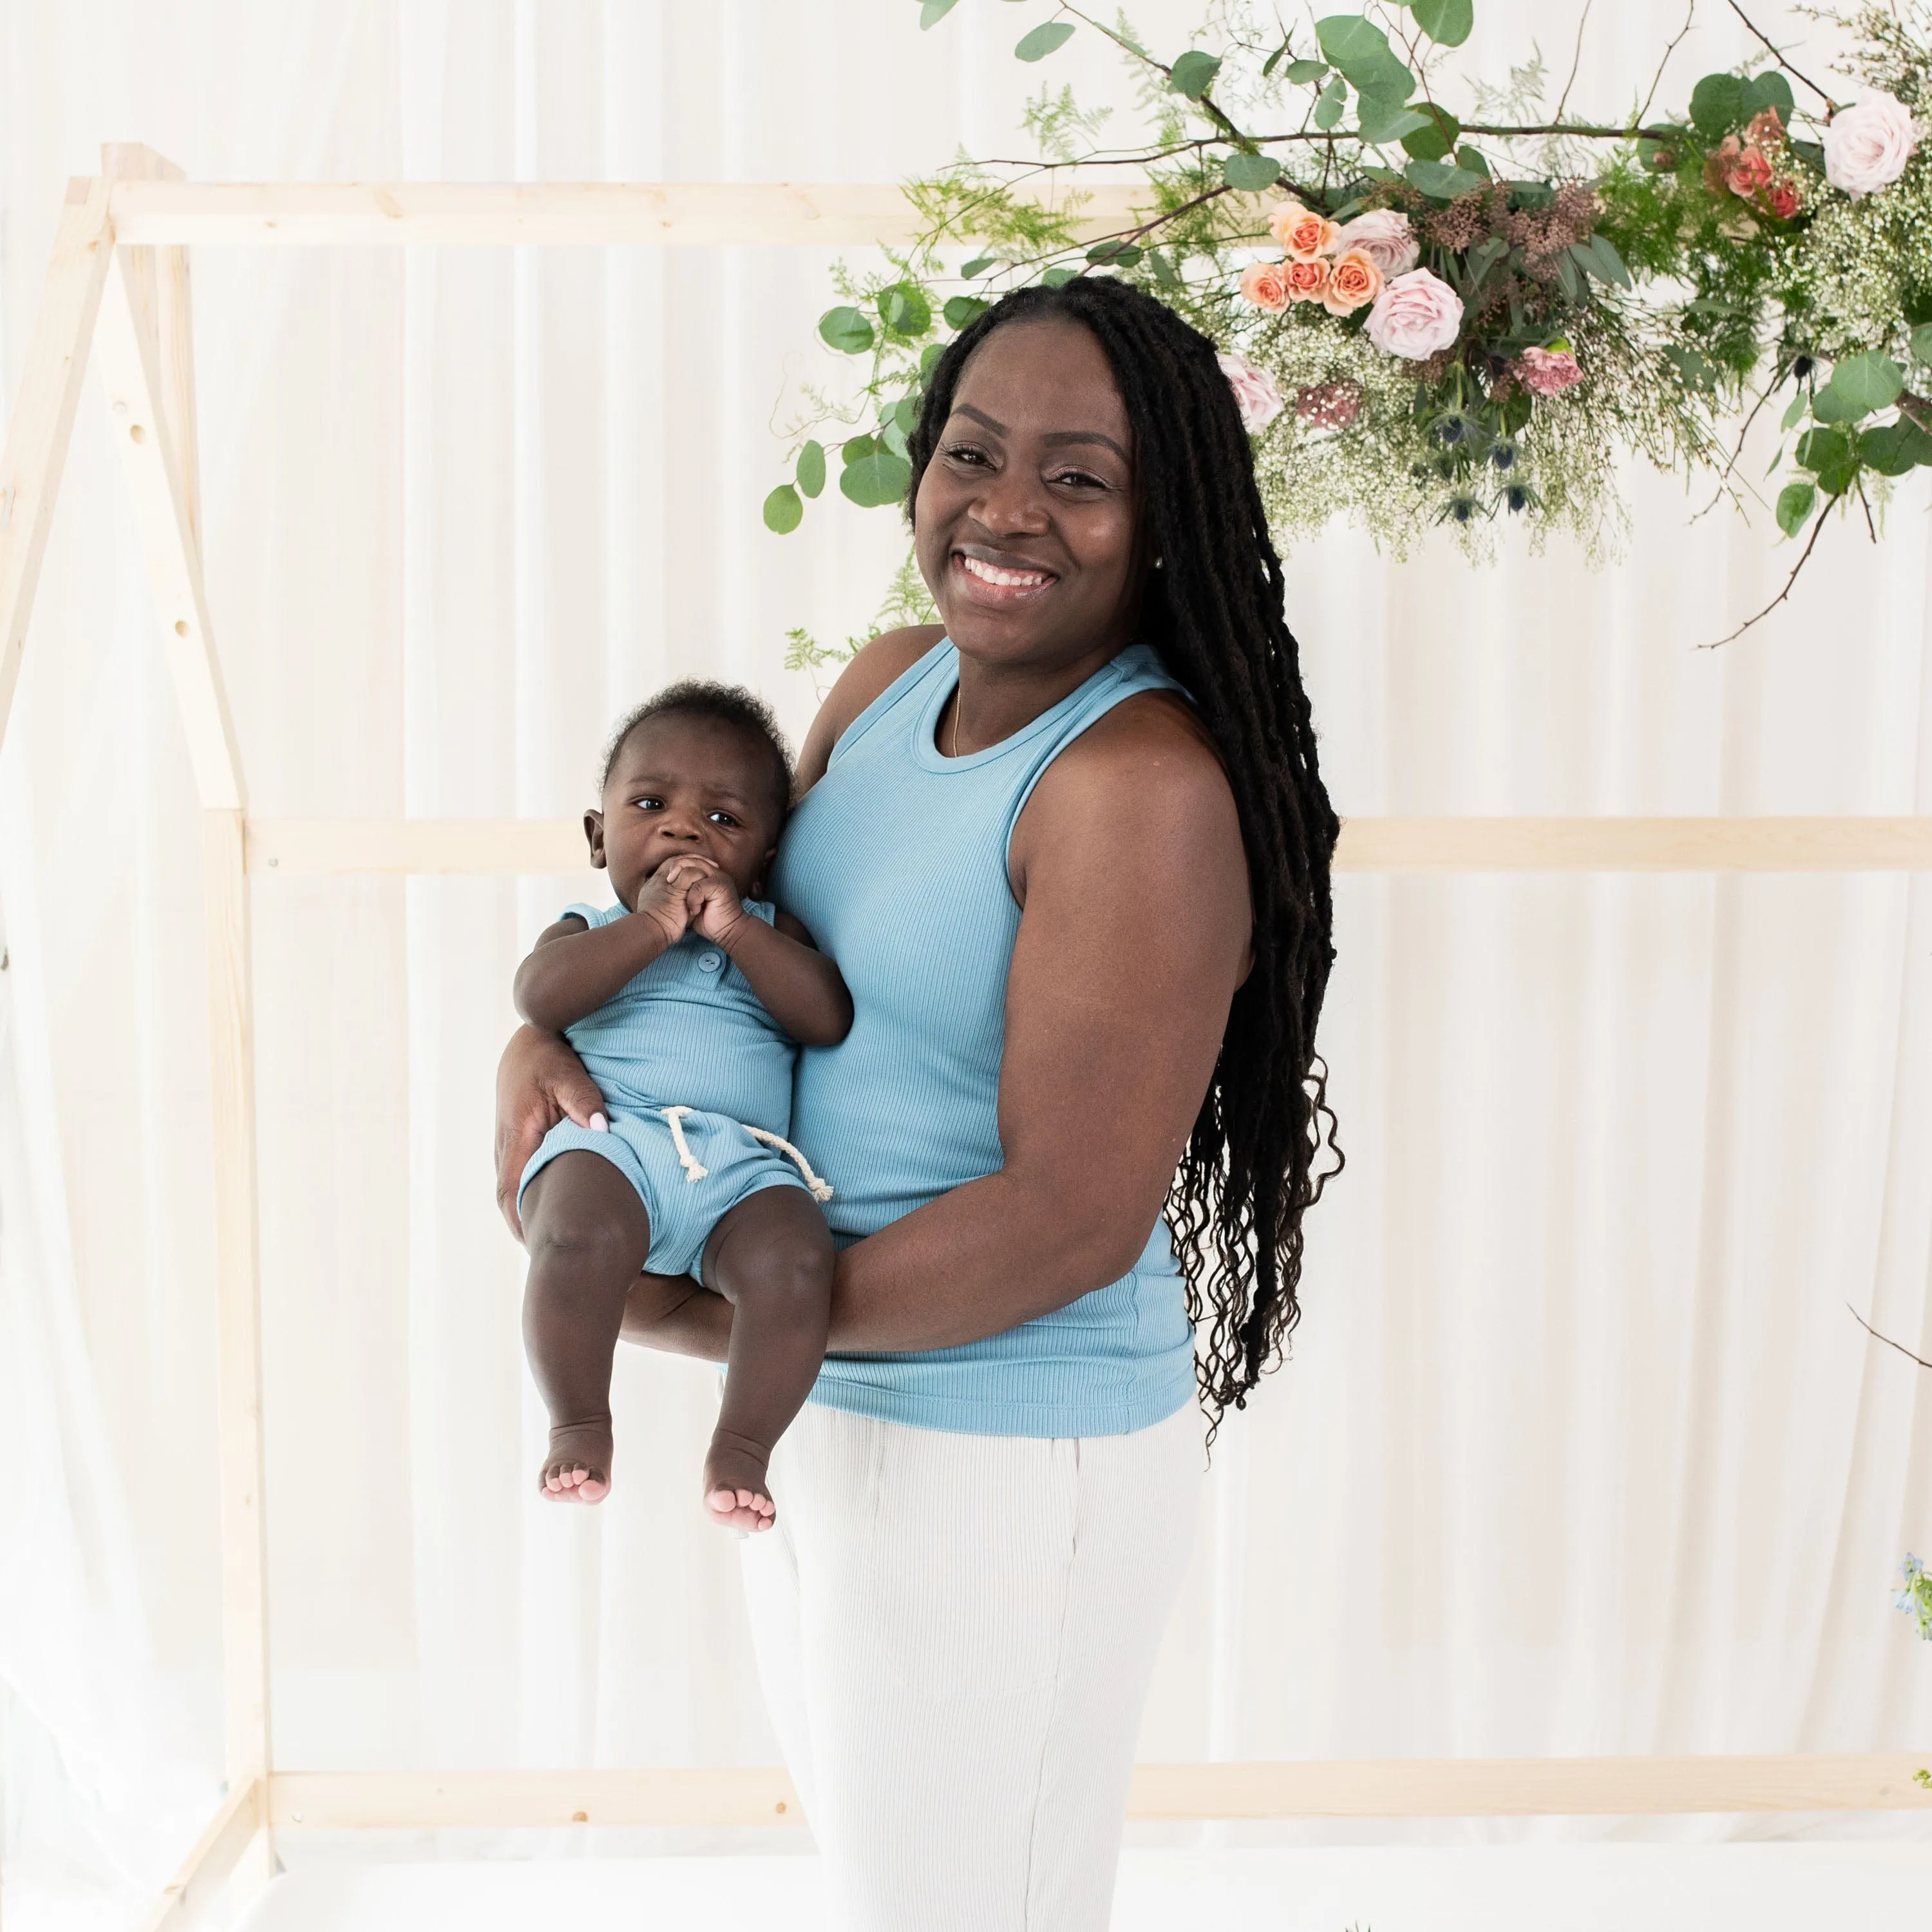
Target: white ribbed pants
[955,1634]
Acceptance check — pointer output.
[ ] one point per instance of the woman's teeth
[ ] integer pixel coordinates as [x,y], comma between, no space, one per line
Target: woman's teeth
[1022,580]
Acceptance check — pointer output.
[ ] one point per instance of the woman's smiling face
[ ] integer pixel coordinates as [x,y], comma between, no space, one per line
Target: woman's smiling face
[1025,520]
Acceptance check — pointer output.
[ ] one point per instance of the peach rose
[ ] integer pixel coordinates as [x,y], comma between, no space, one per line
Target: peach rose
[1748,173]
[1264,284]
[1302,234]
[1307,280]
[1354,280]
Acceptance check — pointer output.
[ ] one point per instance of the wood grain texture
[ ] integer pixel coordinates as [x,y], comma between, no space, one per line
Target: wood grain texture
[521,845]
[686,213]
[1346,1788]
[220,1849]
[42,422]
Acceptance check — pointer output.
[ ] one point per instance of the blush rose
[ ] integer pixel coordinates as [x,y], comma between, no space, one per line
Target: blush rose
[1256,395]
[1548,371]
[1867,144]
[1385,235]
[1415,316]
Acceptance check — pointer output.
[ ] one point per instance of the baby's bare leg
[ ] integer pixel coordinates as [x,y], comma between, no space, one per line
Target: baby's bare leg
[588,1236]
[771,1258]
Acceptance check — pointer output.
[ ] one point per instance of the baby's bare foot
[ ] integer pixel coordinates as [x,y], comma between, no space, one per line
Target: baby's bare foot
[735,1490]
[578,1468]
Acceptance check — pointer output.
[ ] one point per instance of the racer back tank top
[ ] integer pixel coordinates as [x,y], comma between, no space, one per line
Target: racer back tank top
[896,861]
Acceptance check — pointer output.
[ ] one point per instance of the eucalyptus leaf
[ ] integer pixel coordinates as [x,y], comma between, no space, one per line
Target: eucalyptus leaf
[1436,138]
[1044,39]
[1193,74]
[1795,502]
[876,480]
[1768,89]
[1443,180]
[1823,448]
[1607,264]
[1794,415]
[933,11]
[905,414]
[783,511]
[1472,159]
[1113,254]
[1352,43]
[1164,270]
[1250,173]
[1892,449]
[1303,73]
[971,271]
[1828,406]
[1329,104]
[1836,478]
[1447,23]
[1717,105]
[1921,343]
[892,438]
[928,360]
[811,468]
[962,311]
[1867,382]
[855,449]
[1058,278]
[1384,119]
[904,309]
[1570,279]
[846,329]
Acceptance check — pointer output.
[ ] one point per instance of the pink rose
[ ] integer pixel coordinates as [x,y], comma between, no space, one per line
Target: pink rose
[1415,315]
[1264,284]
[1766,129]
[1302,234]
[1256,395]
[1748,173]
[1867,144]
[1783,197]
[1548,371]
[1353,281]
[1385,236]
[1307,281]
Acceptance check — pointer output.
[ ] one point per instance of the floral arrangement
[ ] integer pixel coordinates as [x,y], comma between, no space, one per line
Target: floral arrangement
[1440,317]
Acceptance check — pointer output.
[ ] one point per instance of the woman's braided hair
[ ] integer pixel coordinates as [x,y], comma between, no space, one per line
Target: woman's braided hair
[1213,612]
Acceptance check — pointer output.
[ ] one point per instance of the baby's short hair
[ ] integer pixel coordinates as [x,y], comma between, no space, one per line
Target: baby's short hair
[730,704]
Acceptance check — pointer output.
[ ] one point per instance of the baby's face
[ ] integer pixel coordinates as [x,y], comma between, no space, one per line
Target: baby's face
[683,784]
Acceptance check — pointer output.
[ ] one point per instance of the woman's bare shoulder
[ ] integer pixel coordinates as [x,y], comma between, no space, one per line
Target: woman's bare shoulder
[873,667]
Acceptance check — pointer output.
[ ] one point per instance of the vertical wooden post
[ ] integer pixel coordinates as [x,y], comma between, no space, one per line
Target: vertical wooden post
[43,419]
[144,347]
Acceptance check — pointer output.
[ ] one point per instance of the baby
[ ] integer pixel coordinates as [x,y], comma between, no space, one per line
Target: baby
[684,1001]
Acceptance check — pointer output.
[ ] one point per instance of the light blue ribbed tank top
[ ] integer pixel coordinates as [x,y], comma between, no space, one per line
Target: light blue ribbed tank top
[896,861]
[688,1032]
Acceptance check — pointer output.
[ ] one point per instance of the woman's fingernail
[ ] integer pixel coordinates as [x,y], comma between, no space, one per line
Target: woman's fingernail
[598,1124]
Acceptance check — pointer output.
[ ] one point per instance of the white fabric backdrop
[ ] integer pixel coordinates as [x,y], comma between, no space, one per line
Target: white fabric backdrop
[1580,1451]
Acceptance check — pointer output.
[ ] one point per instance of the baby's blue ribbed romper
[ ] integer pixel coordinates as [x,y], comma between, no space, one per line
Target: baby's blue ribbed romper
[687,1035]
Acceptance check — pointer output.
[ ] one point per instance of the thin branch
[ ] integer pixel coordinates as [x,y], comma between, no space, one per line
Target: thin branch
[1887,1339]
[1871,529]
[1817,530]
[1656,78]
[1575,60]
[1724,474]
[1777,54]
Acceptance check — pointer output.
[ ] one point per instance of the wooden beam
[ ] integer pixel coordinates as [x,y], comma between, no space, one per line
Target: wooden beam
[143,418]
[1713,844]
[217,1852]
[244,1566]
[42,422]
[1345,1788]
[566,214]
[287,846]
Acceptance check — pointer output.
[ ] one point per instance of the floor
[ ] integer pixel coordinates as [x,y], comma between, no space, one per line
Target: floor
[1623,1887]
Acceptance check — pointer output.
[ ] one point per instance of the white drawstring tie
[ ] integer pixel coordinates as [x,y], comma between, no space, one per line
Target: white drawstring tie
[695,1169]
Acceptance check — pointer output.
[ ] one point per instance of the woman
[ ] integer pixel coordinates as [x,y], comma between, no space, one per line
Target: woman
[1086,923]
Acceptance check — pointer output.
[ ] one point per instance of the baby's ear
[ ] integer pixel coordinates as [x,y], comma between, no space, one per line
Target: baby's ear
[593,832]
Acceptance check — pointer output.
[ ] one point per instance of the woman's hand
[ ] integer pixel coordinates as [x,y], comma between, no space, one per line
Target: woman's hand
[539,1081]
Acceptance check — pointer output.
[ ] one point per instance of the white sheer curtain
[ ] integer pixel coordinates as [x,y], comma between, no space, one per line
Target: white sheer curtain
[1579,1450]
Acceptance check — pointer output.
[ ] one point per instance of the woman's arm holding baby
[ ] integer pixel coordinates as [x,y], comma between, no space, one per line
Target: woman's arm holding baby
[573,968]
[795,982]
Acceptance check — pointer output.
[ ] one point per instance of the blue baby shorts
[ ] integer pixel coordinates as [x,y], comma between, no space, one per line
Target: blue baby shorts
[683,1209]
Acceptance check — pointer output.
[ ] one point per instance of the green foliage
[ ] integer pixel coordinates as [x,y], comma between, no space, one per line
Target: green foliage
[1795,502]
[1448,22]
[846,330]
[783,511]
[1194,73]
[1251,173]
[811,471]
[933,11]
[1044,39]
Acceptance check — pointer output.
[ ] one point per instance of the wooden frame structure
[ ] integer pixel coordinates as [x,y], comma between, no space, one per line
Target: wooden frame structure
[118,291]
